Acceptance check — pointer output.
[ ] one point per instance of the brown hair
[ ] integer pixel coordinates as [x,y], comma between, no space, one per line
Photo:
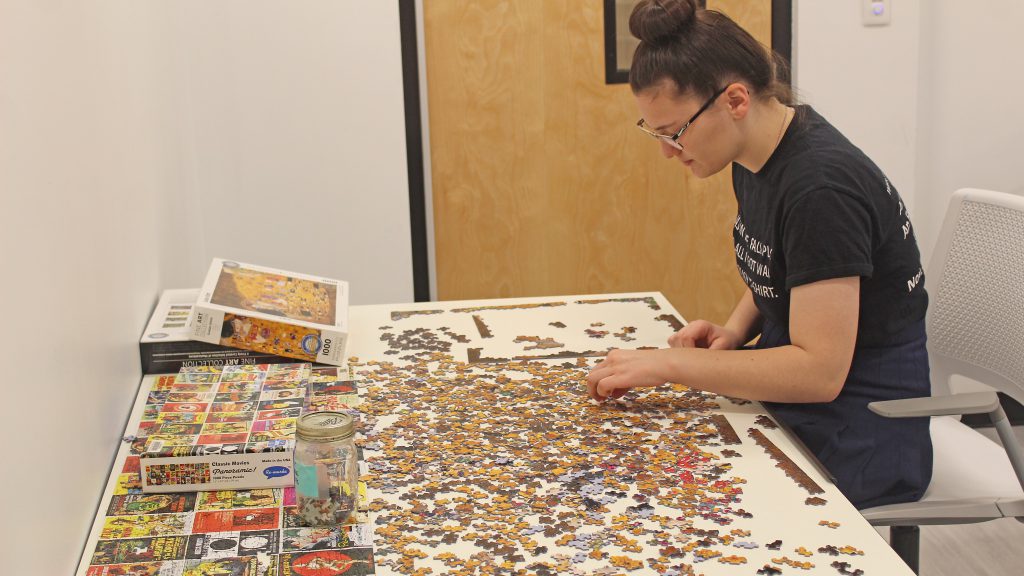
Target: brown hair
[701,51]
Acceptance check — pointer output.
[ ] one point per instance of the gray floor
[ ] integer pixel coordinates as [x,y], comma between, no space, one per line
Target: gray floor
[988,549]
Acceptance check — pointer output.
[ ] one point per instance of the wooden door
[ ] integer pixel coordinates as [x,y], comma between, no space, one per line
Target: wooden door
[541,184]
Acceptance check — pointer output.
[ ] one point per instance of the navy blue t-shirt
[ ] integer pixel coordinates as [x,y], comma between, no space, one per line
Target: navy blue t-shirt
[821,209]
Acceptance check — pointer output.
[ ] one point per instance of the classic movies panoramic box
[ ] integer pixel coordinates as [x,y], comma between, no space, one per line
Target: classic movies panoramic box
[231,428]
[272,311]
[165,346]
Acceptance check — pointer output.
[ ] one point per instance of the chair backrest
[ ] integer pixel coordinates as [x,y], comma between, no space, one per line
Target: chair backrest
[976,285]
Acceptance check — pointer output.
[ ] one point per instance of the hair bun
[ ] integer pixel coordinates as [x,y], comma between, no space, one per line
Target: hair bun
[658,21]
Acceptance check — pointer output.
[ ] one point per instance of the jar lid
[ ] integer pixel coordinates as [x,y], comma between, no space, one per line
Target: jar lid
[324,426]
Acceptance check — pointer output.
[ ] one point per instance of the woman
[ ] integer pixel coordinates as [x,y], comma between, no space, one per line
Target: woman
[835,288]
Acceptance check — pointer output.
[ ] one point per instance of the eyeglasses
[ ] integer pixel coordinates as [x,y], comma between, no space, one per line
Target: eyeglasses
[673,140]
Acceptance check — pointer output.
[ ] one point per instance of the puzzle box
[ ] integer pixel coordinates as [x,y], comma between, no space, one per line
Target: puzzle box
[165,346]
[272,311]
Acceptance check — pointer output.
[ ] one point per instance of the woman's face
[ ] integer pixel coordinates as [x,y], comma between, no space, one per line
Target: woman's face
[708,143]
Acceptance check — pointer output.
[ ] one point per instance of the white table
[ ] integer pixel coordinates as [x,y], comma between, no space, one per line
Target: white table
[479,458]
[667,438]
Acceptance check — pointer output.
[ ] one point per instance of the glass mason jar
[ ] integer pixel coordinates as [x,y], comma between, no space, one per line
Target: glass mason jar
[326,468]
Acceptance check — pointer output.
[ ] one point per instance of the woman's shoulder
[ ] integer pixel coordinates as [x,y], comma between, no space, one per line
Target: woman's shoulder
[815,135]
[819,154]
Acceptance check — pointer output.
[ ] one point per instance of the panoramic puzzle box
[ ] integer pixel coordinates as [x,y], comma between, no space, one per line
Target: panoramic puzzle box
[212,428]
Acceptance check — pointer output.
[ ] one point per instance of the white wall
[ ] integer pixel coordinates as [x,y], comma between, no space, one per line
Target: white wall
[294,128]
[82,166]
[864,80]
[932,98]
[128,130]
[970,117]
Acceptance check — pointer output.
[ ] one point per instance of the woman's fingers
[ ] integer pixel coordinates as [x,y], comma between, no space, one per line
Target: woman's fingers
[602,382]
[609,385]
[688,336]
[596,374]
[621,370]
[720,344]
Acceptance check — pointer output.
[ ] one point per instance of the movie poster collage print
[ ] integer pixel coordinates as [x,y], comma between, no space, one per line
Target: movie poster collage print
[205,410]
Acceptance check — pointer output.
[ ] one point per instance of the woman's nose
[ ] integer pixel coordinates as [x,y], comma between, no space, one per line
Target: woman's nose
[669,151]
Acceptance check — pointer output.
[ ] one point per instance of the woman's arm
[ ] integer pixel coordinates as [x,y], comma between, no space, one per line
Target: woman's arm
[744,323]
[823,331]
[745,320]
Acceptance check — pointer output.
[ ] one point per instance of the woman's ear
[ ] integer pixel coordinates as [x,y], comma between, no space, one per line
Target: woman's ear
[737,97]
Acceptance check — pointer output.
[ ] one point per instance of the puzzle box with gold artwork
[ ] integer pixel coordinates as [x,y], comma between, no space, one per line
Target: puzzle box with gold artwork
[272,311]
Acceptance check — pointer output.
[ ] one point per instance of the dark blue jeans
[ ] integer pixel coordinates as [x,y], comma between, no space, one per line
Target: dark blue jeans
[875,460]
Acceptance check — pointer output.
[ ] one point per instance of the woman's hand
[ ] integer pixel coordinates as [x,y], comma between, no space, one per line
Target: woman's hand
[624,369]
[704,334]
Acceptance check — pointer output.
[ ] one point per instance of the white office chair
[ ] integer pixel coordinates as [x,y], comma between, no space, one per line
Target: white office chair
[975,329]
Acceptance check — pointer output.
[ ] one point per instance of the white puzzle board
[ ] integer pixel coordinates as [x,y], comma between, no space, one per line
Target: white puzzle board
[504,462]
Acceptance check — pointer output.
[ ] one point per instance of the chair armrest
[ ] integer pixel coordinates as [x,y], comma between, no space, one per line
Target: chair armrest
[1012,508]
[974,403]
[957,511]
